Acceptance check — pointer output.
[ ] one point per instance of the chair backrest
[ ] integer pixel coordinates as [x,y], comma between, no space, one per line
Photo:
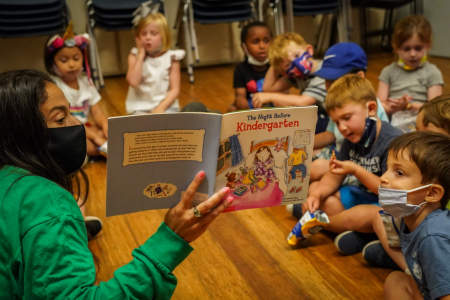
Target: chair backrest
[214,11]
[23,18]
[115,14]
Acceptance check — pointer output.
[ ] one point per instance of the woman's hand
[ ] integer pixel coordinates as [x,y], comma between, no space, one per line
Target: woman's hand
[181,218]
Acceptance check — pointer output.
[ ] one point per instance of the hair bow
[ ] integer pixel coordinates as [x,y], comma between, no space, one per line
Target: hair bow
[144,9]
[69,39]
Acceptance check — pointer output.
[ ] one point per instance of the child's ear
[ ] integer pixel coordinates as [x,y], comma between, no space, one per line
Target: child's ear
[435,193]
[372,108]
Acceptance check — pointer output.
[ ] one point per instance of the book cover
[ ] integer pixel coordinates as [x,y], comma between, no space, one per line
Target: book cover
[262,155]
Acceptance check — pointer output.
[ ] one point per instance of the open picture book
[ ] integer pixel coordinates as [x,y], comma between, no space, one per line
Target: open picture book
[262,155]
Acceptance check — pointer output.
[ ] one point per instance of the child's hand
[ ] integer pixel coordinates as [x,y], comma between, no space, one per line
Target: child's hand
[312,203]
[399,104]
[339,167]
[141,51]
[105,128]
[259,99]
[157,110]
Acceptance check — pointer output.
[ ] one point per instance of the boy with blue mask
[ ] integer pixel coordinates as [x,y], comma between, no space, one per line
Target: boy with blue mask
[292,65]
[416,188]
[351,104]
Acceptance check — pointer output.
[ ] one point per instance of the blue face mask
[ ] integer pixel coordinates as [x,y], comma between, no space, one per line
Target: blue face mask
[370,133]
[395,202]
[301,66]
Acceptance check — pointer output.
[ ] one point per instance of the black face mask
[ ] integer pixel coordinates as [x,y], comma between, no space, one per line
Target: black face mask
[67,145]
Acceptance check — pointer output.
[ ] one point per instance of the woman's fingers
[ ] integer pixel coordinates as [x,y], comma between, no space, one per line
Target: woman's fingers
[188,196]
[216,203]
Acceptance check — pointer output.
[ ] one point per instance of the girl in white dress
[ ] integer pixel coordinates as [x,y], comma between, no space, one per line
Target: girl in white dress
[153,69]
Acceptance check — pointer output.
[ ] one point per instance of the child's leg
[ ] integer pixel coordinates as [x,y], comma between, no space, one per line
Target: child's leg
[399,285]
[332,205]
[358,218]
[318,168]
[394,253]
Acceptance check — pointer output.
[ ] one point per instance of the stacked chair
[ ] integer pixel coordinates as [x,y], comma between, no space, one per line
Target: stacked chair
[111,15]
[24,18]
[210,12]
[304,8]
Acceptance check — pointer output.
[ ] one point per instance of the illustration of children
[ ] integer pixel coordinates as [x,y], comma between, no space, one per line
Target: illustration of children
[296,159]
[264,164]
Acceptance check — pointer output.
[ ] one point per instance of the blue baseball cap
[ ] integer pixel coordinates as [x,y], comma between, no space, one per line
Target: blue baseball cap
[341,59]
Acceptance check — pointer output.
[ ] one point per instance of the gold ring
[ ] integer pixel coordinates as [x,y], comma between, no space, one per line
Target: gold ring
[197,212]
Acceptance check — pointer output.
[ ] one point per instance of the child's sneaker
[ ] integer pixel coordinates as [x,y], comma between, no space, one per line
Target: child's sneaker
[351,242]
[376,256]
[308,225]
[295,210]
[93,226]
[103,149]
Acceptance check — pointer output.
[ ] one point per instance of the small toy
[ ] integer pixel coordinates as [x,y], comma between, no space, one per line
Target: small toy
[333,155]
[309,224]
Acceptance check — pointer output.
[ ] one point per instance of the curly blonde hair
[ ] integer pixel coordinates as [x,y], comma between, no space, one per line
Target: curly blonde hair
[277,49]
[161,21]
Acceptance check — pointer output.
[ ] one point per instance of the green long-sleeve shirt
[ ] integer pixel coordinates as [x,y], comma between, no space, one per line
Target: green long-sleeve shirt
[44,253]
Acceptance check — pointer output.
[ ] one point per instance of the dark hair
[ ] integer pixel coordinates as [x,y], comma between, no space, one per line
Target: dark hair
[430,152]
[49,57]
[24,137]
[437,112]
[250,25]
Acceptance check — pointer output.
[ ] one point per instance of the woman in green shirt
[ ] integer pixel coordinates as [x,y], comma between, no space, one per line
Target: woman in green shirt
[43,241]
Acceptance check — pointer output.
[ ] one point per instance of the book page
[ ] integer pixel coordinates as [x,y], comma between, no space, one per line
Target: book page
[153,158]
[264,155]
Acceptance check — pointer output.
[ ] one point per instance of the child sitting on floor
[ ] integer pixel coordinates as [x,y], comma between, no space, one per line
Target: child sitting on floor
[65,59]
[292,64]
[407,84]
[416,189]
[153,69]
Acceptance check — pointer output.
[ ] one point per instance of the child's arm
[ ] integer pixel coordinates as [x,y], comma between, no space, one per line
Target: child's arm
[135,62]
[323,139]
[434,91]
[327,186]
[273,82]
[174,88]
[281,99]
[240,98]
[383,95]
[368,179]
[99,118]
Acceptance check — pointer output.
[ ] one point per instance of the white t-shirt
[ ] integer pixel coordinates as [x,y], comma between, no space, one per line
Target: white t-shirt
[154,83]
[80,100]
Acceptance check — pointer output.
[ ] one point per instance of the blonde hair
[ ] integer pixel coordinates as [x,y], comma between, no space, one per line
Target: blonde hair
[161,21]
[407,27]
[437,112]
[349,88]
[277,49]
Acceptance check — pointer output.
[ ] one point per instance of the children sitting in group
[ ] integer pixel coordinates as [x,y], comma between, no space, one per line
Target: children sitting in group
[292,65]
[405,85]
[415,188]
[351,103]
[153,69]
[65,60]
[249,75]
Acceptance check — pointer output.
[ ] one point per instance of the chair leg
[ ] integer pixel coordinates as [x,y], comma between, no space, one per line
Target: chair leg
[363,27]
[188,43]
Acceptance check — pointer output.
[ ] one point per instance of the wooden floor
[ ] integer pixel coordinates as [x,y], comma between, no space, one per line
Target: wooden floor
[243,255]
